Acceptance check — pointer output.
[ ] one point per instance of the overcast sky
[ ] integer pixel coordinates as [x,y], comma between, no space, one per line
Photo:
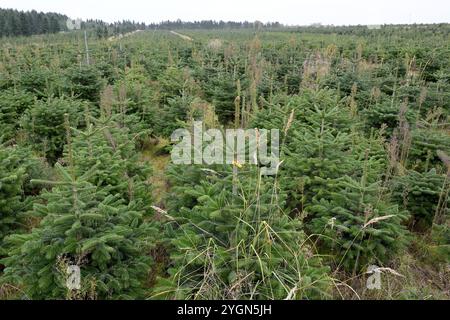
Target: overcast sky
[294,12]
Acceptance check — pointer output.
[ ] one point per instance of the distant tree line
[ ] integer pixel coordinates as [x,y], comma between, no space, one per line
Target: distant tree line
[212,24]
[365,30]
[103,29]
[20,23]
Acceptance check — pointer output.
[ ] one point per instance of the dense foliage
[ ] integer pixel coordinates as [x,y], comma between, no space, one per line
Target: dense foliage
[19,23]
[363,178]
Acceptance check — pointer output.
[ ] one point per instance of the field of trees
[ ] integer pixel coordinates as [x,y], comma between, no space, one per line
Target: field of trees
[86,177]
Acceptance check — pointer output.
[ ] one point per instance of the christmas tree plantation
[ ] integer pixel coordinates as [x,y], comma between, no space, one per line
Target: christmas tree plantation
[92,205]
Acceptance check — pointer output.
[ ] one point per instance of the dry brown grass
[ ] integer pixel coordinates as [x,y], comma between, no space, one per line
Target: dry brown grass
[159,163]
[316,67]
[415,278]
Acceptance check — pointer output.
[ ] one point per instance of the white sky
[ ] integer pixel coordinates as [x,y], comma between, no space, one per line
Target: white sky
[297,12]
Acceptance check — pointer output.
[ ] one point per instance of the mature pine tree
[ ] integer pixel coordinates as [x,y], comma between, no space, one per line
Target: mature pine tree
[19,23]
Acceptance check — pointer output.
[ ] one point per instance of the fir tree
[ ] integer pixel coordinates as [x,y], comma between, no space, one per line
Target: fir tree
[135,95]
[18,167]
[221,90]
[13,104]
[385,113]
[112,149]
[316,145]
[92,218]
[86,227]
[239,246]
[40,81]
[84,82]
[176,82]
[44,124]
[425,144]
[12,202]
[356,226]
[420,193]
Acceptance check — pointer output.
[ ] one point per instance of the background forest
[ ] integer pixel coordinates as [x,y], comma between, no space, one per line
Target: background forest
[86,177]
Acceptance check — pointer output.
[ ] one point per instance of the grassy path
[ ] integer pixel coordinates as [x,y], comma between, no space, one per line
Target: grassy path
[158,179]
